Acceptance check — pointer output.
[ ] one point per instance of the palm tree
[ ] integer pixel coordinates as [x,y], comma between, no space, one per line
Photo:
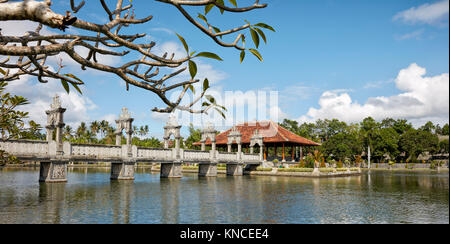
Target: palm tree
[68,132]
[81,131]
[95,127]
[103,127]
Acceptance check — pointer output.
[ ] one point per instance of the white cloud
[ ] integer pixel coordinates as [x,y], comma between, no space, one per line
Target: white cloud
[426,13]
[413,35]
[422,98]
[40,97]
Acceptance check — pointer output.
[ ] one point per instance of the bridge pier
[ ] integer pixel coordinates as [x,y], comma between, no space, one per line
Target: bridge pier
[171,170]
[235,169]
[53,171]
[122,170]
[251,167]
[207,170]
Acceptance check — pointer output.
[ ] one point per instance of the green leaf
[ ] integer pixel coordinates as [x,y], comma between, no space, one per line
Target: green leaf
[242,56]
[261,33]
[209,55]
[205,104]
[77,88]
[266,26]
[208,8]
[211,99]
[205,85]
[73,77]
[184,43]
[192,69]
[220,2]
[221,113]
[65,85]
[255,37]
[233,2]
[256,53]
[202,17]
[3,72]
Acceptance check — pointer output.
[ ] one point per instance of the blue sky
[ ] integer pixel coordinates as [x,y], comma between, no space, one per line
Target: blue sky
[328,58]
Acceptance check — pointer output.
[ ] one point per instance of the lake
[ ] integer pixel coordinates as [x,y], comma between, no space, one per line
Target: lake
[90,197]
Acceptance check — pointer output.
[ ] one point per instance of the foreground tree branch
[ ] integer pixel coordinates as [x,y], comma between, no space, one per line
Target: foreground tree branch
[29,54]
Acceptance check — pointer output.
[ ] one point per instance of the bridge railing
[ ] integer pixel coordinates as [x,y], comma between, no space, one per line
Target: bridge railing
[27,148]
[153,153]
[196,155]
[227,157]
[250,157]
[92,151]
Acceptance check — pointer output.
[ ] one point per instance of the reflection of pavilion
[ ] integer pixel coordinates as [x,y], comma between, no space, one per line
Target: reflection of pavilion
[273,135]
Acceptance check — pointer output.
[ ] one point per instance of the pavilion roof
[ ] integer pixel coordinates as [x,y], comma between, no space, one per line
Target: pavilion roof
[271,131]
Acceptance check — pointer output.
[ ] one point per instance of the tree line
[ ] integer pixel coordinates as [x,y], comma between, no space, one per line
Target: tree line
[390,139]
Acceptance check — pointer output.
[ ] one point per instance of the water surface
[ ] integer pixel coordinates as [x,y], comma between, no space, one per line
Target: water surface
[90,197]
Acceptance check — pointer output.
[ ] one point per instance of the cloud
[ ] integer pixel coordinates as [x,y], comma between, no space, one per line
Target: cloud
[422,98]
[413,35]
[426,13]
[40,97]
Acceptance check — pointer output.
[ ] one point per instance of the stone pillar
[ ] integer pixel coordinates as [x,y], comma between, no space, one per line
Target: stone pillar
[207,170]
[53,171]
[203,146]
[118,140]
[213,146]
[122,170]
[129,138]
[235,170]
[261,153]
[239,148]
[49,134]
[251,149]
[166,143]
[171,170]
[229,148]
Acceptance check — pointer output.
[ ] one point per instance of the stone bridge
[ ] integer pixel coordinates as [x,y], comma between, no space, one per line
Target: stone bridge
[54,154]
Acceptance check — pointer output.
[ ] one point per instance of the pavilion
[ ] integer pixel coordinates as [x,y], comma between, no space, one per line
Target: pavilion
[271,134]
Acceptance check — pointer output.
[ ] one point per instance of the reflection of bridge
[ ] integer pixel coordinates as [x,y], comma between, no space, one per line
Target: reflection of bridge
[54,154]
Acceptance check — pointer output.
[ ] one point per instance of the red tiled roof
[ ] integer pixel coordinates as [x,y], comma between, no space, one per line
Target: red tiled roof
[271,131]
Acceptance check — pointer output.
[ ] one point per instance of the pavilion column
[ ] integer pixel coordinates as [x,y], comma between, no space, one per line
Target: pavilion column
[229,148]
[301,153]
[284,159]
[292,154]
[251,149]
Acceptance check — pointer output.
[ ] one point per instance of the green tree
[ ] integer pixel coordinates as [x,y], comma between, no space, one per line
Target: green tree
[195,135]
[342,146]
[443,146]
[414,142]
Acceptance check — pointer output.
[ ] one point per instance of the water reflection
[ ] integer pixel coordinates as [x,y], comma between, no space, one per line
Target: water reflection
[90,197]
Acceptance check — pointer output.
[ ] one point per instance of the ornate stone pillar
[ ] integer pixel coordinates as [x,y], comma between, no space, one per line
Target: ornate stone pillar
[125,122]
[234,136]
[55,120]
[257,138]
[172,170]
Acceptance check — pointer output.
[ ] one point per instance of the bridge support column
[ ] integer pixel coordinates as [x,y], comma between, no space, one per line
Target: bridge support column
[171,170]
[207,170]
[122,170]
[235,169]
[53,171]
[251,167]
